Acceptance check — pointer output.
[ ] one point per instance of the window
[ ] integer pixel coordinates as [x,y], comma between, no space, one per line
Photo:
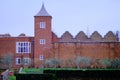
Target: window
[26,61]
[18,61]
[23,47]
[42,24]
[42,41]
[41,57]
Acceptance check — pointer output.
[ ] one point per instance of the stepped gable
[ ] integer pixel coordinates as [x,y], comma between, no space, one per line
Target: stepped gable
[66,37]
[96,37]
[81,36]
[54,37]
[110,37]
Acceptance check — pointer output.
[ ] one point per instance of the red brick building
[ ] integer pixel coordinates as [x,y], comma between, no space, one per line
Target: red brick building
[46,45]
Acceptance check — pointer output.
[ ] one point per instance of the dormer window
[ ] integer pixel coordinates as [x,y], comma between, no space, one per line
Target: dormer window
[42,25]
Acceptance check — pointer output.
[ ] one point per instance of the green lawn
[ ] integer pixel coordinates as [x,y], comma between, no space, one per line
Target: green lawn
[11,78]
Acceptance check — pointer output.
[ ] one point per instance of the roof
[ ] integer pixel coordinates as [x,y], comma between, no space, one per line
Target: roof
[43,12]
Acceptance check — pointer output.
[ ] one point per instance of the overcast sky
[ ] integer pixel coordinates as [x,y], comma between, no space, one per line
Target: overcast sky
[17,16]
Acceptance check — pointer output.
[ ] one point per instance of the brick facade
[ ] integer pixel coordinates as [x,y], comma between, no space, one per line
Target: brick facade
[65,47]
[42,33]
[8,46]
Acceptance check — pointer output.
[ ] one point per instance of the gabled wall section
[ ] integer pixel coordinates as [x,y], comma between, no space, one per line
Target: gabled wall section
[81,37]
[110,37]
[66,37]
[96,37]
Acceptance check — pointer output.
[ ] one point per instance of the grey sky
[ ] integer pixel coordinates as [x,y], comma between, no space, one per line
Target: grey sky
[17,16]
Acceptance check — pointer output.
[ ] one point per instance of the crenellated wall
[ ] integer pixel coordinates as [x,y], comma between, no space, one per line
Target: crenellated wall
[82,37]
[95,47]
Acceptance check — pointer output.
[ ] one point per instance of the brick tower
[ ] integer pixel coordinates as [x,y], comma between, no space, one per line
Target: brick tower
[43,35]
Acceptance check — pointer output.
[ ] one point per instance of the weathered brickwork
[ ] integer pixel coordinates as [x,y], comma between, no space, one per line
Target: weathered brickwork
[94,50]
[96,37]
[42,33]
[81,37]
[66,37]
[110,37]
[66,47]
[8,46]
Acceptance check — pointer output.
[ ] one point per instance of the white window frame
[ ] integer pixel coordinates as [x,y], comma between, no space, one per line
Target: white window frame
[42,57]
[27,61]
[23,47]
[42,41]
[42,25]
[17,61]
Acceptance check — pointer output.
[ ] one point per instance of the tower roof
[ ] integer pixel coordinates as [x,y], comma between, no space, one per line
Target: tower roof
[43,12]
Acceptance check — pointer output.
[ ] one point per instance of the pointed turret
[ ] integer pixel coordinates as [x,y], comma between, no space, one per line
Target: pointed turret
[43,12]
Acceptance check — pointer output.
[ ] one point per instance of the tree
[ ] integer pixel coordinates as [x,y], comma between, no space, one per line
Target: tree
[7,60]
[55,62]
[49,63]
[68,63]
[82,62]
[105,62]
[116,63]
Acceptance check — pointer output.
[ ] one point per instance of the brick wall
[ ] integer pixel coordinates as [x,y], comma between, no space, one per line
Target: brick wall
[8,45]
[42,33]
[94,50]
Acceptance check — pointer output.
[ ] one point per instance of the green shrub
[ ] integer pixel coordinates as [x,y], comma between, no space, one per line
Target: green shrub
[116,63]
[106,63]
[11,78]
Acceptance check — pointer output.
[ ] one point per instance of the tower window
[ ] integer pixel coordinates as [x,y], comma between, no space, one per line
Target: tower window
[42,24]
[41,57]
[42,41]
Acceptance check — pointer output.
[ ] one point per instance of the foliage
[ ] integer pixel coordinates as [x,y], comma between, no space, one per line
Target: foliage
[68,63]
[32,70]
[116,63]
[82,62]
[53,62]
[11,78]
[105,62]
[7,60]
[36,70]
[49,63]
